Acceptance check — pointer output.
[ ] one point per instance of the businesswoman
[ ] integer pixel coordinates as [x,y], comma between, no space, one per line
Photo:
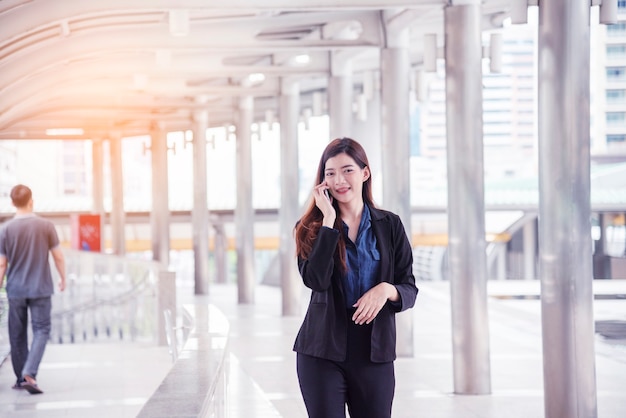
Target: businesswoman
[357,260]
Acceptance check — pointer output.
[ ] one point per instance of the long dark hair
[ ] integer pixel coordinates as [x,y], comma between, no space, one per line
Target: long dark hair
[311,222]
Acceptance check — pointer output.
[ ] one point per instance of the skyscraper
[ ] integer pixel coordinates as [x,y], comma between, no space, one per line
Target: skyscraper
[608,87]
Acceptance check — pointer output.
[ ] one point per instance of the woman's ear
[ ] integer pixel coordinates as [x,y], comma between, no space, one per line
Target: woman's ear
[366,174]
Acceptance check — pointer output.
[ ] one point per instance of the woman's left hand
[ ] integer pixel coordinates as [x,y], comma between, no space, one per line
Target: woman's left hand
[368,305]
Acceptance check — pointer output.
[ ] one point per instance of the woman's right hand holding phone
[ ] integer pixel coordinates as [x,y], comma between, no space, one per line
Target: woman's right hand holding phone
[324,201]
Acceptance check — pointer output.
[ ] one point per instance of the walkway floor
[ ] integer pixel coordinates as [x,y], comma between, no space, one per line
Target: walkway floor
[114,380]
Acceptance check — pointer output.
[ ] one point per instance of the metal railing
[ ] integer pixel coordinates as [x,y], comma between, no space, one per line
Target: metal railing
[5,348]
[106,297]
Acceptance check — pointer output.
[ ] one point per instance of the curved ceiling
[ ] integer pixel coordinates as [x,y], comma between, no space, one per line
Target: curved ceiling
[123,65]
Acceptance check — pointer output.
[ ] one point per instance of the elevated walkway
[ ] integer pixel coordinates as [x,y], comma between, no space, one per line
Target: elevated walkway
[104,380]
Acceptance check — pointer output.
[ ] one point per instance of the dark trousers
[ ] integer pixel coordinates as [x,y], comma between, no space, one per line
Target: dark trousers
[25,361]
[366,388]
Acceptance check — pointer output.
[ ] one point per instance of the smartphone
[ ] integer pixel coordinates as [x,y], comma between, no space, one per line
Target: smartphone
[327,193]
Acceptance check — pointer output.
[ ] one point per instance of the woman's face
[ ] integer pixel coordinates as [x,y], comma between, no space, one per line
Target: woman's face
[345,178]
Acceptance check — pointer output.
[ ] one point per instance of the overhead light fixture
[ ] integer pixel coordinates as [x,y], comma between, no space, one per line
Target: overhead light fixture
[519,12]
[301,59]
[179,22]
[64,131]
[608,12]
[256,78]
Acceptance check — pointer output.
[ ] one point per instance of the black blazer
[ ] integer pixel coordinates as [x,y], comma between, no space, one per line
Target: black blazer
[324,330]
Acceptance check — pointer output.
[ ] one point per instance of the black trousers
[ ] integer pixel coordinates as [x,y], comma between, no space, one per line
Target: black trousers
[366,388]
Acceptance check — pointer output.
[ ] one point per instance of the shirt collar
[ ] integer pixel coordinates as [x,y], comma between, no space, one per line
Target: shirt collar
[366,220]
[365,217]
[24,215]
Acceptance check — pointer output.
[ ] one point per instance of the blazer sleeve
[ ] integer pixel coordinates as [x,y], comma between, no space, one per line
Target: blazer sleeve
[404,280]
[317,270]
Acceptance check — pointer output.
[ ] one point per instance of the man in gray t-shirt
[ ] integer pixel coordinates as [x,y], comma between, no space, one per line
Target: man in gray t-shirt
[25,242]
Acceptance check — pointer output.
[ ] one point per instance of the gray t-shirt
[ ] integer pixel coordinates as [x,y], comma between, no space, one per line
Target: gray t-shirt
[26,241]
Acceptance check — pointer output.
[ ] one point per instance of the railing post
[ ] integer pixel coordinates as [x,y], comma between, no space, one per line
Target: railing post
[166,292]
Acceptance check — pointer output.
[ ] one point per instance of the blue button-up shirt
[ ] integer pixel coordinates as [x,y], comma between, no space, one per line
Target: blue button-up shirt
[363,260]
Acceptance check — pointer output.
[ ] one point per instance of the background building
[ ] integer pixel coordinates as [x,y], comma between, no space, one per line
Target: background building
[608,88]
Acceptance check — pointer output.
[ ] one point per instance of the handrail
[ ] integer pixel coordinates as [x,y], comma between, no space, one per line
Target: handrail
[106,295]
[5,347]
[196,384]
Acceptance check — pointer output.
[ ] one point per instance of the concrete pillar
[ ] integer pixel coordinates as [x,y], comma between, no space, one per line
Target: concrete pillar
[466,199]
[340,98]
[244,213]
[288,213]
[200,211]
[565,266]
[97,157]
[118,235]
[395,87]
[160,214]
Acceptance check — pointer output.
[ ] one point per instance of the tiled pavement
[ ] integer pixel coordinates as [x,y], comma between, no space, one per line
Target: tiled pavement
[115,380]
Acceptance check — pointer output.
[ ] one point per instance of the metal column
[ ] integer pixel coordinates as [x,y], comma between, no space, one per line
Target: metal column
[244,213]
[395,87]
[601,244]
[565,267]
[368,133]
[160,214]
[601,261]
[466,207]
[530,249]
[289,190]
[501,260]
[117,190]
[220,251]
[200,212]
[98,184]
[340,98]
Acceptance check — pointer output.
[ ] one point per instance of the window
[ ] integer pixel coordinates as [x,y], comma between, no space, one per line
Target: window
[616,73]
[621,4]
[615,118]
[616,96]
[616,138]
[616,30]
[616,51]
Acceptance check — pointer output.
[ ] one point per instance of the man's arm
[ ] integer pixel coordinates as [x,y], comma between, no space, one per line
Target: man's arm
[3,269]
[59,262]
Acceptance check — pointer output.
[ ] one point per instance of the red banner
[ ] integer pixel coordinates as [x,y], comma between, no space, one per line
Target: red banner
[86,232]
